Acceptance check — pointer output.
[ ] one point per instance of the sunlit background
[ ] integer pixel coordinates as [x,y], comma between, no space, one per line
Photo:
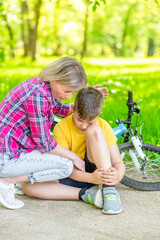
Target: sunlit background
[118,43]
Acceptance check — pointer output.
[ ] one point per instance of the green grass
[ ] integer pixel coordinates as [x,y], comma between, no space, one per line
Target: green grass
[142,76]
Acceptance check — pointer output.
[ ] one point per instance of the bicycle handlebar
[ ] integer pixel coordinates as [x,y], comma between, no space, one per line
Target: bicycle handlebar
[130,100]
[132,108]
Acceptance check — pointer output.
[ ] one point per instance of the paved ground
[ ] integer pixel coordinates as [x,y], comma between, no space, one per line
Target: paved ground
[67,220]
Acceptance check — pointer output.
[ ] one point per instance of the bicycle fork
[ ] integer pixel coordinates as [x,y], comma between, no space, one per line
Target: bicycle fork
[138,147]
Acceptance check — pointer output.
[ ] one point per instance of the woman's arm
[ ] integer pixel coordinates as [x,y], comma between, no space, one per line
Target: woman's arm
[77,161]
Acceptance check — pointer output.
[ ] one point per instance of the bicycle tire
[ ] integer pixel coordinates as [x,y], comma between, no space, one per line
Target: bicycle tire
[133,178]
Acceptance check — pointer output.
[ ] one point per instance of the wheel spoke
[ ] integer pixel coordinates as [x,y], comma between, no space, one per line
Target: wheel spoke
[151,175]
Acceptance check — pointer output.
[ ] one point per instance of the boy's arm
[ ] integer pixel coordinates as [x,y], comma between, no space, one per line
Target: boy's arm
[96,177]
[115,174]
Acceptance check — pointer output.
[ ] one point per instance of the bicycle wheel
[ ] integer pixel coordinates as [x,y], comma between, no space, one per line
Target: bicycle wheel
[135,178]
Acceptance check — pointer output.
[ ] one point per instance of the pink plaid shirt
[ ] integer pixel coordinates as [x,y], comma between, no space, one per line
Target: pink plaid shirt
[26,115]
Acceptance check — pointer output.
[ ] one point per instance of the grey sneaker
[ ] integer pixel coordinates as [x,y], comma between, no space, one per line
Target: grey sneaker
[7,196]
[93,196]
[112,203]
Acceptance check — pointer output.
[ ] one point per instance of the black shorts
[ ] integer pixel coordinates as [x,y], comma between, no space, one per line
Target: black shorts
[89,167]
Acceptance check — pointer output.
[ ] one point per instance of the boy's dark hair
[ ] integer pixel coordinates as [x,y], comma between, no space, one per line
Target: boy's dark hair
[88,103]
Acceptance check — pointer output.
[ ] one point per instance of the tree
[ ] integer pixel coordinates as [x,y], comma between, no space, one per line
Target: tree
[94,5]
[25,22]
[82,27]
[57,50]
[85,31]
[4,13]
[30,21]
[151,47]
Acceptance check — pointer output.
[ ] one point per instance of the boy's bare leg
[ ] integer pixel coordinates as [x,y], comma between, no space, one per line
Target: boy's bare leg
[97,152]
[51,191]
[97,148]
[57,191]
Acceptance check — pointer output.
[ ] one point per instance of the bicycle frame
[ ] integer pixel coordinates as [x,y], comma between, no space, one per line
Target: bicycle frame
[127,133]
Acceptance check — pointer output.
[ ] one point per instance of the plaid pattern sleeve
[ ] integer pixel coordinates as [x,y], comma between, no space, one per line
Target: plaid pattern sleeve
[26,114]
[60,109]
[37,108]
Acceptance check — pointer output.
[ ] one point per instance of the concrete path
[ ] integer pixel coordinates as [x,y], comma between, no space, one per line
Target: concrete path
[76,220]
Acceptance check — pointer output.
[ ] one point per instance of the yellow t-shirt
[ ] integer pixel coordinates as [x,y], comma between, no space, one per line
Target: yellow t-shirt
[67,135]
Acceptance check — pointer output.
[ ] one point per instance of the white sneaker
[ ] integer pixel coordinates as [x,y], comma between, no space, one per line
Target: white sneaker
[7,196]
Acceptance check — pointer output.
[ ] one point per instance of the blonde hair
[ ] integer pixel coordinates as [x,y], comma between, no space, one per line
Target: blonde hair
[88,103]
[67,71]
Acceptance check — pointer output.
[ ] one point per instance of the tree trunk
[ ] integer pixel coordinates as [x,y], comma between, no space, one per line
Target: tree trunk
[125,31]
[24,10]
[35,28]
[11,42]
[84,46]
[57,50]
[150,47]
[29,31]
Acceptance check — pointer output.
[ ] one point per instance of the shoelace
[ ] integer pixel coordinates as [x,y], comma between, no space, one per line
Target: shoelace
[110,198]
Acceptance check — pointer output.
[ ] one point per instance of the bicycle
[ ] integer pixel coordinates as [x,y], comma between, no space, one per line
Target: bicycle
[142,160]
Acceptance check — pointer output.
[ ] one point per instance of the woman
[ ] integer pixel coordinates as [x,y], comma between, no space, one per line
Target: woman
[27,151]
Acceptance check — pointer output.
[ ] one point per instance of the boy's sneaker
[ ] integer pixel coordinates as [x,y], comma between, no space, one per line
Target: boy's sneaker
[7,196]
[111,201]
[93,196]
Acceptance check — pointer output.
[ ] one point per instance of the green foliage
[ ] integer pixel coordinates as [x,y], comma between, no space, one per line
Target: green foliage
[96,3]
[128,28]
[142,76]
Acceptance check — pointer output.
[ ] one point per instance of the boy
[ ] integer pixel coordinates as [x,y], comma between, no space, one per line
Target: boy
[93,140]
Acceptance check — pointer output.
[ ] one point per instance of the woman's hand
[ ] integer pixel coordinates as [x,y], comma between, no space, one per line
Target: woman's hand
[111,176]
[79,163]
[71,108]
[103,90]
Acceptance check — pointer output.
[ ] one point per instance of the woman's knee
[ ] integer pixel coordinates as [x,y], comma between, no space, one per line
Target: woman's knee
[69,168]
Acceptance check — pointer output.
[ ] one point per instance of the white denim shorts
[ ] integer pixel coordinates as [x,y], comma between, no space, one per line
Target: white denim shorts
[37,166]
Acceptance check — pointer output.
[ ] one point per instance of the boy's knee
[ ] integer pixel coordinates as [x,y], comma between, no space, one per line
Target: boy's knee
[93,130]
